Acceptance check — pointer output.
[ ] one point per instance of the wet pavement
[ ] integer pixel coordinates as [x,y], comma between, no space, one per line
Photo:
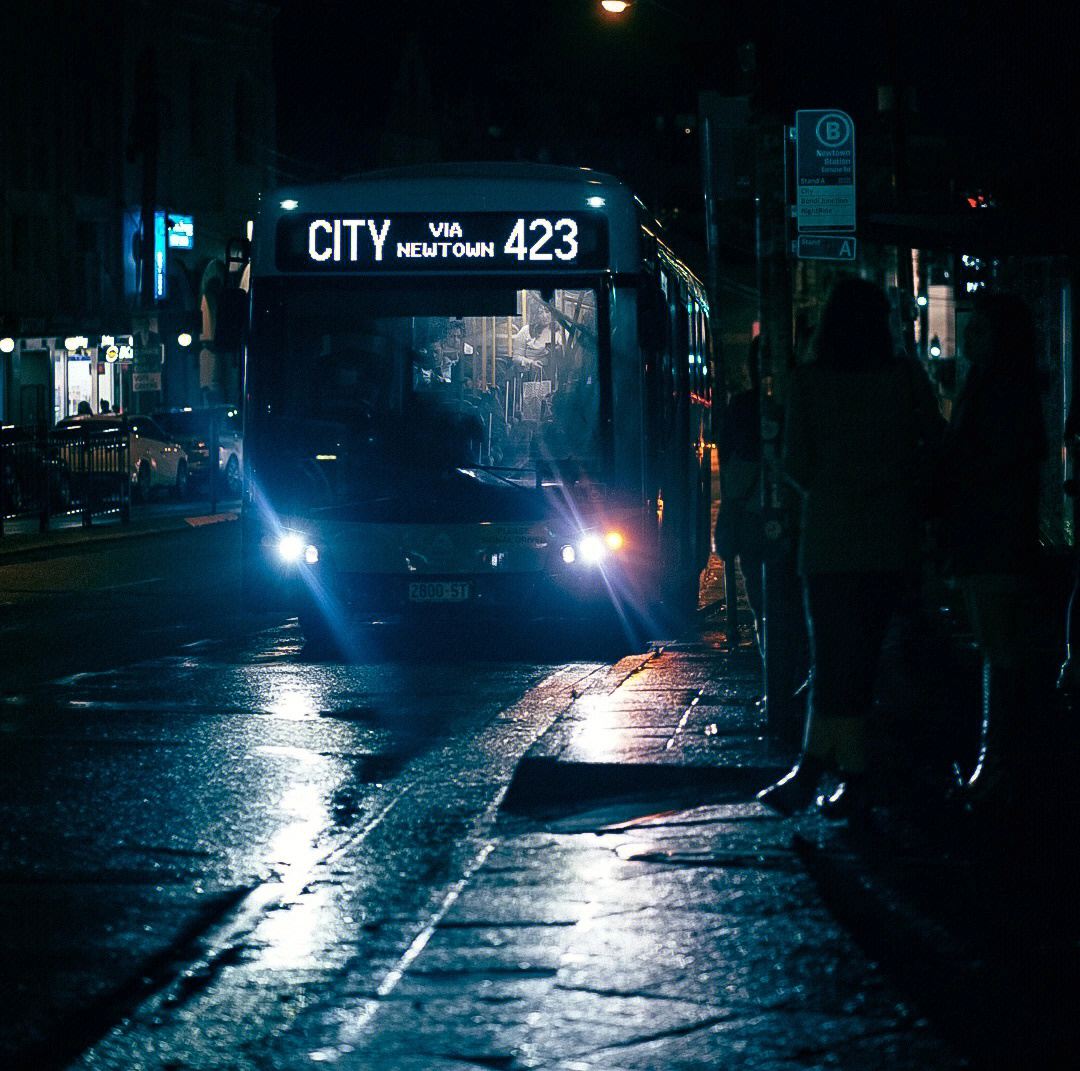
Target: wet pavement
[624,903]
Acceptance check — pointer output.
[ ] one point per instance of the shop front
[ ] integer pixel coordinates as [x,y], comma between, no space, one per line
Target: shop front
[47,379]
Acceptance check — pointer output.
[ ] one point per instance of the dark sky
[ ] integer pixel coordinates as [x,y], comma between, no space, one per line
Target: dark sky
[991,78]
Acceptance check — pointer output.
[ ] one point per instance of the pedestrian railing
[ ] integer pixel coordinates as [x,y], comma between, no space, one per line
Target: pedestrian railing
[75,470]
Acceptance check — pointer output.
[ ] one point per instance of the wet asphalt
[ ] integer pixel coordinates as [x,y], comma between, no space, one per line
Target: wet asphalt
[606,893]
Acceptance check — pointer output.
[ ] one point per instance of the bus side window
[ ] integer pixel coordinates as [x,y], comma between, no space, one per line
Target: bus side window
[654,326]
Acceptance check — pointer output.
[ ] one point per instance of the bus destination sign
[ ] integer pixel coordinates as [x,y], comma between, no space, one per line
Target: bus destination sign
[414,241]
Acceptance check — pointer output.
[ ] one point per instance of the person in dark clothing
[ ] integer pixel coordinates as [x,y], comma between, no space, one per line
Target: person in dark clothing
[738,532]
[855,421]
[994,446]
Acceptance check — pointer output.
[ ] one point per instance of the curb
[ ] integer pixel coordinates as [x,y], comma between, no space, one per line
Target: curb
[34,547]
[539,781]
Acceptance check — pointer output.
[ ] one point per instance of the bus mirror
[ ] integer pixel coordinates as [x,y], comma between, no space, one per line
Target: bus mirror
[230,330]
[654,324]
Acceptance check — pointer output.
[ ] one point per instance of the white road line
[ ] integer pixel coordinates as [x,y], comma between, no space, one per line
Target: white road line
[130,584]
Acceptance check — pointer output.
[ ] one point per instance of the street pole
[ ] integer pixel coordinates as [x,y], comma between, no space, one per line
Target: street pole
[783,625]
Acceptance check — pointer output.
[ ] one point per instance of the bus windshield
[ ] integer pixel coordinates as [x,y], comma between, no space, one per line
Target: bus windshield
[424,375]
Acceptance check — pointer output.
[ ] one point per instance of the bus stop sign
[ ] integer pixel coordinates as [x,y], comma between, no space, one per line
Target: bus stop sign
[825,171]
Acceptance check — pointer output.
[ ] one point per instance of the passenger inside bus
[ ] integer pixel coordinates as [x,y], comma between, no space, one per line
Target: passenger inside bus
[533,341]
[405,381]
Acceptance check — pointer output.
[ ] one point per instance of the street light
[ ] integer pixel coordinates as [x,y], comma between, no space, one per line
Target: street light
[614,7]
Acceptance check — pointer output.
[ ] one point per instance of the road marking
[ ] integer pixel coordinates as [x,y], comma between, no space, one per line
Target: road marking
[131,584]
[561,687]
[397,972]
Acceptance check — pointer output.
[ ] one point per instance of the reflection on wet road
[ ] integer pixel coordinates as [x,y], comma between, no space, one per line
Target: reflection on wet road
[238,809]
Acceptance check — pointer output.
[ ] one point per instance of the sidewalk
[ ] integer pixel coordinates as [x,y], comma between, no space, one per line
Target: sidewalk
[22,541]
[635,908]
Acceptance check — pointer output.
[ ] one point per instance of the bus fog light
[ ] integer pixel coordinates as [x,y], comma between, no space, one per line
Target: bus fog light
[569,555]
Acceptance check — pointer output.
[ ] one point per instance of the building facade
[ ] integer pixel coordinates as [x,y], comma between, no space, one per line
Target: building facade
[121,118]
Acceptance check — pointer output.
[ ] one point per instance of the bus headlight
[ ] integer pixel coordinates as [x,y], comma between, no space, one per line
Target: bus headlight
[293,547]
[592,549]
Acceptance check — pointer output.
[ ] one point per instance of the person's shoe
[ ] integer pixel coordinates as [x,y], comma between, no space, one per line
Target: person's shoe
[794,791]
[847,801]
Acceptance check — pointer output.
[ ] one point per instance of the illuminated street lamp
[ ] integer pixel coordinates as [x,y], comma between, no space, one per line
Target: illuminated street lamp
[619,7]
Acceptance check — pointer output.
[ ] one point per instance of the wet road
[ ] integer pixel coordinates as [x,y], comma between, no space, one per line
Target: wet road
[183,792]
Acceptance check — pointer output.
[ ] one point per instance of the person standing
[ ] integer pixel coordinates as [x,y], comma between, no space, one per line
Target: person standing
[994,446]
[860,420]
[738,531]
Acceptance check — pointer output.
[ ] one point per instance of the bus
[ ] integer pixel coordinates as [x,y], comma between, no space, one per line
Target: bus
[476,393]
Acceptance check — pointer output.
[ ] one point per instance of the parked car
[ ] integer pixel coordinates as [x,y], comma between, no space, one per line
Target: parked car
[191,428]
[30,469]
[155,462]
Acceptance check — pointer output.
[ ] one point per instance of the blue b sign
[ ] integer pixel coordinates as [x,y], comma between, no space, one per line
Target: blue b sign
[825,171]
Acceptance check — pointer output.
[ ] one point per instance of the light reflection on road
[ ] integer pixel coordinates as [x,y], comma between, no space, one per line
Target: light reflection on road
[295,698]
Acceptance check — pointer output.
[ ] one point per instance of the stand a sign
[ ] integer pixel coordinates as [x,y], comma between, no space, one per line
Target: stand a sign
[825,247]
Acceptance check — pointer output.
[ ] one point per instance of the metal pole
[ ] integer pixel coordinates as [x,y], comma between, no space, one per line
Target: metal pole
[214,460]
[782,614]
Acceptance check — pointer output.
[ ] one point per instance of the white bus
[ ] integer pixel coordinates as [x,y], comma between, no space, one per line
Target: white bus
[473,391]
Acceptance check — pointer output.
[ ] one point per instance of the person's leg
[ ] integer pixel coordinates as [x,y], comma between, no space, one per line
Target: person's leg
[993,604]
[750,565]
[1069,677]
[868,605]
[796,790]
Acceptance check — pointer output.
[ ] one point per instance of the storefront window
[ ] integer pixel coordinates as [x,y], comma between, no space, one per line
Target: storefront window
[79,383]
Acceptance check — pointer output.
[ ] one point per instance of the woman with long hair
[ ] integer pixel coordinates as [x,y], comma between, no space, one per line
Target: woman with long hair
[993,448]
[860,420]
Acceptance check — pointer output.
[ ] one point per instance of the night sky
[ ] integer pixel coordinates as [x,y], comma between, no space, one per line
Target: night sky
[530,78]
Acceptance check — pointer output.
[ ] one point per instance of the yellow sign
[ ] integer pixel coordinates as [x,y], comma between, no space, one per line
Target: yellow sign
[112,353]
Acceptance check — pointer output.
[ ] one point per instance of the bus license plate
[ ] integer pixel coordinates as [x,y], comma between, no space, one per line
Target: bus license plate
[438,590]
